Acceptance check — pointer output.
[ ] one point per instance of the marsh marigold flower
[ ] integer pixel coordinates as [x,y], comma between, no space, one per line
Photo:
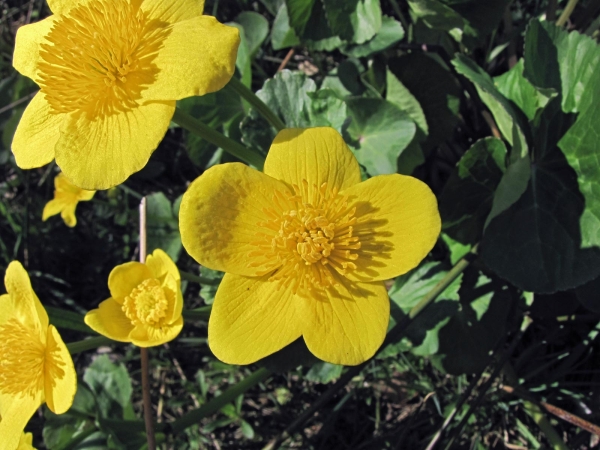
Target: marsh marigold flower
[145,304]
[35,365]
[306,246]
[66,197]
[109,73]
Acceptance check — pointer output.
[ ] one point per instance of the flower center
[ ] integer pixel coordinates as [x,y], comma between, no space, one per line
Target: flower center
[22,356]
[312,237]
[147,304]
[98,58]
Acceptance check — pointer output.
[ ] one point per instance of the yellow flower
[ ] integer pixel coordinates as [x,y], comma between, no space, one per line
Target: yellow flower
[66,197]
[109,73]
[35,365]
[306,247]
[26,442]
[145,304]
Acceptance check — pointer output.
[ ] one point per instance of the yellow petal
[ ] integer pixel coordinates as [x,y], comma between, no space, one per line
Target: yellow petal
[126,277]
[16,412]
[197,57]
[175,298]
[52,208]
[317,155]
[37,134]
[172,11]
[26,442]
[252,318]
[60,379]
[146,336]
[63,6]
[104,151]
[68,214]
[222,213]
[27,306]
[160,264]
[346,324]
[27,46]
[109,320]
[85,196]
[398,224]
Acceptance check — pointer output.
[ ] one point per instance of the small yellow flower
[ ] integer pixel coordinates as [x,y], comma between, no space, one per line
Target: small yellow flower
[109,73]
[145,304]
[26,442]
[35,365]
[66,197]
[306,247]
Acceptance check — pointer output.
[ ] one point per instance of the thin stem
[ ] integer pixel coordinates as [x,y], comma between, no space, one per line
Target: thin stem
[88,344]
[147,400]
[566,13]
[193,125]
[214,405]
[398,12]
[243,91]
[200,280]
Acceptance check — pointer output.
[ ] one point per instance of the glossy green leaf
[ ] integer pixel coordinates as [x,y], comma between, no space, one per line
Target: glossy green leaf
[111,385]
[355,21]
[162,226]
[256,29]
[514,86]
[381,131]
[282,34]
[391,32]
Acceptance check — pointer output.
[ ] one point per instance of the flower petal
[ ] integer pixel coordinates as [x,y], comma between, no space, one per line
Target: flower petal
[63,6]
[52,208]
[317,155]
[27,306]
[37,134]
[85,196]
[109,320]
[27,46]
[104,151]
[252,318]
[197,57]
[16,412]
[125,278]
[68,214]
[26,442]
[145,336]
[175,298]
[346,324]
[221,214]
[60,379]
[398,224]
[160,264]
[172,11]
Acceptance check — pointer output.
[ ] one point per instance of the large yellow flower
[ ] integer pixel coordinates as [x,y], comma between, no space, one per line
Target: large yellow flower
[145,304]
[109,73]
[306,247]
[66,197]
[35,365]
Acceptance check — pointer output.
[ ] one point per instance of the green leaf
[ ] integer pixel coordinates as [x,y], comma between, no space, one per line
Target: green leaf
[327,109]
[355,21]
[256,29]
[299,12]
[514,86]
[400,96]
[323,372]
[162,226]
[436,15]
[243,60]
[111,384]
[511,122]
[536,242]
[67,320]
[561,61]
[208,291]
[467,339]
[469,192]
[436,91]
[408,290]
[381,132]
[308,19]
[282,34]
[391,32]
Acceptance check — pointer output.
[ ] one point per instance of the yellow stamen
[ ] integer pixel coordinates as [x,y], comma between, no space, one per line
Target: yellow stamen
[147,304]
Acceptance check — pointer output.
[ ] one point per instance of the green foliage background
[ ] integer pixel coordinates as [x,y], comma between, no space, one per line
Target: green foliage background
[489,102]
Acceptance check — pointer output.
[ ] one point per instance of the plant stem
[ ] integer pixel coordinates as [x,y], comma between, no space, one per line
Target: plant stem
[214,405]
[193,125]
[200,280]
[202,313]
[88,344]
[566,13]
[147,400]
[240,88]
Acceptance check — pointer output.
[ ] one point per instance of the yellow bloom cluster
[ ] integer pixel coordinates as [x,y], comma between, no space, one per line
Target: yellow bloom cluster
[145,304]
[306,246]
[109,73]
[66,197]
[35,365]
